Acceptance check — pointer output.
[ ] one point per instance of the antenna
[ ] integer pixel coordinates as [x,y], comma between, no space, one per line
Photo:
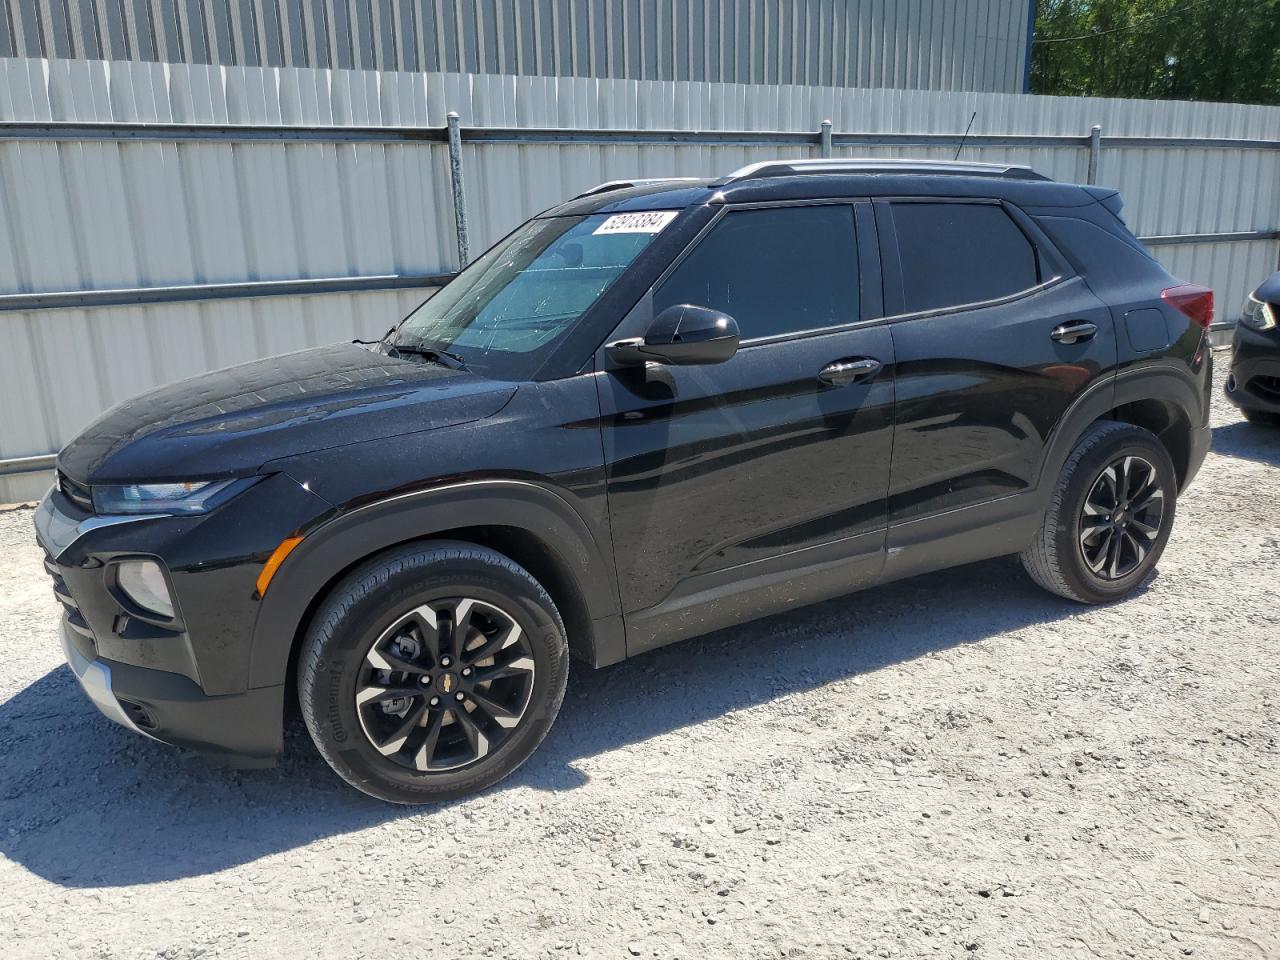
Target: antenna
[966,135]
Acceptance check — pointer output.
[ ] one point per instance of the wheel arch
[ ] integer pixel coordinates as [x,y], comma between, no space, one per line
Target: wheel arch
[1170,424]
[1160,399]
[528,522]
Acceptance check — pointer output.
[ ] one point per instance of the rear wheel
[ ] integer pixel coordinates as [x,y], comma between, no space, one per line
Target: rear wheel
[1109,518]
[432,671]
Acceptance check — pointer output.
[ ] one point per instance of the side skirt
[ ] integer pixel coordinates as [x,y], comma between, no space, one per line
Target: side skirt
[978,532]
[750,591]
[725,598]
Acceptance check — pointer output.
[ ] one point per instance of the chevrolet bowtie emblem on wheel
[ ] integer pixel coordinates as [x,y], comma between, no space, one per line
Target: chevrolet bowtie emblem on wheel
[446,683]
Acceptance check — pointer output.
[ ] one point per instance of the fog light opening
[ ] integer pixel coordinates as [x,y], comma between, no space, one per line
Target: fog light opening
[143,583]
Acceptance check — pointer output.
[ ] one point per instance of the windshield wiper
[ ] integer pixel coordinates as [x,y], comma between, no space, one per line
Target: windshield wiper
[376,343]
[435,354]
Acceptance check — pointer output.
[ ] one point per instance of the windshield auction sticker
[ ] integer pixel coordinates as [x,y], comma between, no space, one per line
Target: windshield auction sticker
[651,221]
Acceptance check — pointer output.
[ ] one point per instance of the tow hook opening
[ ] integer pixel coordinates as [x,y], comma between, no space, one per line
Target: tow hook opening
[138,714]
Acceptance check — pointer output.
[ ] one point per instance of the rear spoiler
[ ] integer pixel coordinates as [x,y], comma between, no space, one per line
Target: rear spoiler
[1109,198]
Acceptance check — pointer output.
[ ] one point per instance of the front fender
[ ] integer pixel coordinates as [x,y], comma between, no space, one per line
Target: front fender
[335,546]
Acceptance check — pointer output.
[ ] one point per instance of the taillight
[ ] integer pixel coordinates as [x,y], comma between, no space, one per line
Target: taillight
[1193,300]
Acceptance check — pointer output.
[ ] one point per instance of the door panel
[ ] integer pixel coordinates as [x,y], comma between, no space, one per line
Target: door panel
[981,387]
[979,392]
[711,467]
[761,481]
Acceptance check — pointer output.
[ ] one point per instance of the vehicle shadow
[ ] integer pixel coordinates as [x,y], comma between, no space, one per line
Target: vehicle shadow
[1248,441]
[87,804]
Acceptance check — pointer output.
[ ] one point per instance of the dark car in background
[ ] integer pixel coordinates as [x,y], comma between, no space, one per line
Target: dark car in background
[659,409]
[1253,384]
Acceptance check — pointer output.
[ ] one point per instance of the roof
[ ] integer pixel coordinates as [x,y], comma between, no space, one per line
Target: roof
[780,168]
[773,180]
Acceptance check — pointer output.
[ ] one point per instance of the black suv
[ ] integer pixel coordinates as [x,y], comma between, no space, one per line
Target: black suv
[659,409]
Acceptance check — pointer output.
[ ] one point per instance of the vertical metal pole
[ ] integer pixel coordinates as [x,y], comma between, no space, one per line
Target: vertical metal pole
[459,191]
[824,139]
[1095,151]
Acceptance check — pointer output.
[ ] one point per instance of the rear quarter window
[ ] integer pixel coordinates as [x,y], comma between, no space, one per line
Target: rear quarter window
[958,253]
[1104,258]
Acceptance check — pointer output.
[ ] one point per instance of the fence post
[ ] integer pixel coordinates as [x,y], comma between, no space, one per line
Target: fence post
[1095,151]
[824,140]
[459,191]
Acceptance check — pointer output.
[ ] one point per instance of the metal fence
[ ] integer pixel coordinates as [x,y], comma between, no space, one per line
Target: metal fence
[913,44]
[157,221]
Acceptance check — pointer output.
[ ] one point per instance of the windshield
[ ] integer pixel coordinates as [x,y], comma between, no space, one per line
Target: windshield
[506,312]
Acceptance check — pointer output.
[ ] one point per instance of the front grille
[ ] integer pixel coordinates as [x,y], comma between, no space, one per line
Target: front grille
[82,636]
[75,492]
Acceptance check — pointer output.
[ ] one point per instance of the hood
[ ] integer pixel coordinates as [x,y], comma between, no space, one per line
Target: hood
[1269,292]
[230,422]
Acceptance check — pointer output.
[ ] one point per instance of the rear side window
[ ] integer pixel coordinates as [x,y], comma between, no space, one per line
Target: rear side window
[778,270]
[958,253]
[1106,258]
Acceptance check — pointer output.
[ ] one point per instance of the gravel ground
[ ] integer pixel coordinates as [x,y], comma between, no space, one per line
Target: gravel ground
[954,766]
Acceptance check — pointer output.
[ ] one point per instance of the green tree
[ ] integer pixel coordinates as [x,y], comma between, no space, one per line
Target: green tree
[1225,50]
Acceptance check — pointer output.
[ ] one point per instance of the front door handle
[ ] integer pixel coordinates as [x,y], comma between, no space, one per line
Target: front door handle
[1074,332]
[841,373]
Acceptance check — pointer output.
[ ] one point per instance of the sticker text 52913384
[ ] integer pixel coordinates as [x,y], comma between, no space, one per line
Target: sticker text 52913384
[649,221]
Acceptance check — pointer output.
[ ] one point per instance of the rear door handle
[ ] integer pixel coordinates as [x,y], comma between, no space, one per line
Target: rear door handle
[841,373]
[1073,332]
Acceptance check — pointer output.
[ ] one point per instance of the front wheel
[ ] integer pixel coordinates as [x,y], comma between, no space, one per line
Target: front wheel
[1109,517]
[432,671]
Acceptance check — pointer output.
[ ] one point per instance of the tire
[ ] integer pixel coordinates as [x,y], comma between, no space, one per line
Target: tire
[1063,555]
[1262,418]
[401,609]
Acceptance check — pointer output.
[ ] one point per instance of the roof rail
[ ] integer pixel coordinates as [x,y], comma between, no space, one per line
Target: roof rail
[623,184]
[788,168]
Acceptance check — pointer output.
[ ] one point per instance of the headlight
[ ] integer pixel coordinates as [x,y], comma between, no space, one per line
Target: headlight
[142,581]
[197,496]
[1259,315]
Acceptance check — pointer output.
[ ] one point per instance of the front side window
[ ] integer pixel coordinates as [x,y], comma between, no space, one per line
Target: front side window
[777,270]
[506,312]
[958,253]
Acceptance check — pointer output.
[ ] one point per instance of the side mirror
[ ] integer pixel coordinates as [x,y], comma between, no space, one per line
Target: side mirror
[683,335]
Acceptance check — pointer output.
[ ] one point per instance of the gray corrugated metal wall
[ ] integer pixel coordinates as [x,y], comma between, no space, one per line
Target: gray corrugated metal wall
[911,44]
[79,214]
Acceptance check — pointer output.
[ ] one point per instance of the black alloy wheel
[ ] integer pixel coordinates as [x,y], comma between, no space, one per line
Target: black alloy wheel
[445,684]
[1109,515]
[1121,517]
[432,670]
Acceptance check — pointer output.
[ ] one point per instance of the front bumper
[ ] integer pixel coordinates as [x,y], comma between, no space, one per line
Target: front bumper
[183,681]
[242,728]
[1254,380]
[95,681]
